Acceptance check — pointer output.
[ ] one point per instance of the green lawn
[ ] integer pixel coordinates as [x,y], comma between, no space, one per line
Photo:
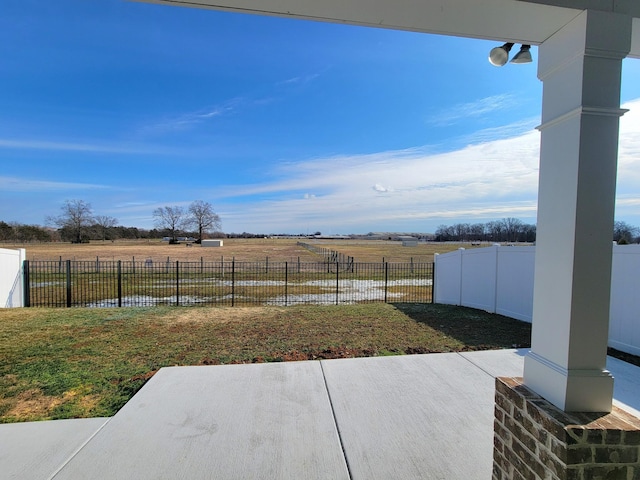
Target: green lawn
[69,363]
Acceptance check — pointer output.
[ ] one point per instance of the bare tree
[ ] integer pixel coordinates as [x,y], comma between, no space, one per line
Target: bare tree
[202,216]
[512,227]
[495,229]
[171,218]
[623,232]
[104,223]
[76,216]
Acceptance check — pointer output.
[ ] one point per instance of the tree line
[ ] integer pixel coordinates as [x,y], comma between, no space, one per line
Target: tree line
[515,230]
[77,223]
[505,230]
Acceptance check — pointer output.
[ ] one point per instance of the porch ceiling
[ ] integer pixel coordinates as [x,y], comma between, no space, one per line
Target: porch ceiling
[530,22]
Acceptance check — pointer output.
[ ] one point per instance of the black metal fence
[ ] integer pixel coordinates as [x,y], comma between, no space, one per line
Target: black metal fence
[327,253]
[131,283]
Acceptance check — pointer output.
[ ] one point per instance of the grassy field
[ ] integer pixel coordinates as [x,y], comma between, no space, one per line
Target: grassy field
[71,363]
[390,251]
[243,250]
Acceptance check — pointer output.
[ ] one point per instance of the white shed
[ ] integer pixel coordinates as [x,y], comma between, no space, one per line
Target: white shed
[408,241]
[211,243]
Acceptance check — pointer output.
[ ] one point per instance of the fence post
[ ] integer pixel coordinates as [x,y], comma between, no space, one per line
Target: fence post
[433,279]
[25,279]
[267,266]
[233,281]
[177,283]
[97,264]
[337,283]
[201,265]
[286,281]
[298,265]
[386,280]
[68,262]
[133,264]
[119,283]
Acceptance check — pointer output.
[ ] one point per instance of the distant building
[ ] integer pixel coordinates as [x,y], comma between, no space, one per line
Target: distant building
[408,241]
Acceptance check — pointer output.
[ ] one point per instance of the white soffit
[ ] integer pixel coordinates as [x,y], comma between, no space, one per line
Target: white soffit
[529,22]
[635,39]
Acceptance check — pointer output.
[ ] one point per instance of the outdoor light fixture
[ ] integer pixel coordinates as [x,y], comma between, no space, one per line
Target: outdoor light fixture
[523,56]
[499,56]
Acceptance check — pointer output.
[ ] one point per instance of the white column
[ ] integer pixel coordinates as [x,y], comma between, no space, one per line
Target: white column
[580,67]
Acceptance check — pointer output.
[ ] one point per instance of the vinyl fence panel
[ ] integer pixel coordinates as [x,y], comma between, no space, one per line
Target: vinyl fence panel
[624,327]
[514,282]
[500,280]
[448,271]
[11,288]
[479,278]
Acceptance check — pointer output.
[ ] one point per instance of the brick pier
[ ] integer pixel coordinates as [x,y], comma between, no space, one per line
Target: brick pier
[534,440]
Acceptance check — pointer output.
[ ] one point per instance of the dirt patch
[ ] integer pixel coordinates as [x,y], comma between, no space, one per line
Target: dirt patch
[32,403]
[89,402]
[626,357]
[143,376]
[324,354]
[220,315]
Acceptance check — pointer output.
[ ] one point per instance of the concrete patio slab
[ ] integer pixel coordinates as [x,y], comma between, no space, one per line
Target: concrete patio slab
[421,416]
[36,450]
[225,422]
[626,385]
[498,363]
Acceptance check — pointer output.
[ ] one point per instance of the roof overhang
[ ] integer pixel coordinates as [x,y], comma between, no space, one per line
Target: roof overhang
[518,21]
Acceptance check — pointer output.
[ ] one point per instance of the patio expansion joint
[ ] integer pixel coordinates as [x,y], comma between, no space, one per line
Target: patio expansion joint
[335,420]
[475,364]
[77,451]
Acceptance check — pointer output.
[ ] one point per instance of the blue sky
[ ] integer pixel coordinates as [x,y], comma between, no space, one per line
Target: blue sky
[282,125]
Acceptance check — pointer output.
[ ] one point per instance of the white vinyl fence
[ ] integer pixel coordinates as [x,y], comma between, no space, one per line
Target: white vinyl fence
[11,288]
[500,280]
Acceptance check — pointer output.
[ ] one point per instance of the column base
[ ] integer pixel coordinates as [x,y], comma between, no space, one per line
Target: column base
[535,440]
[569,390]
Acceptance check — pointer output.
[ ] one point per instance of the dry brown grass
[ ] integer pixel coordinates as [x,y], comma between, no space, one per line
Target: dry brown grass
[243,250]
[390,251]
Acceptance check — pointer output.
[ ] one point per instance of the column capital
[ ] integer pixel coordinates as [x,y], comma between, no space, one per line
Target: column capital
[593,34]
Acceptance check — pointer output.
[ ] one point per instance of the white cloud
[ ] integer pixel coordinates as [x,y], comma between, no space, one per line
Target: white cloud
[502,132]
[190,119]
[302,79]
[379,188]
[39,144]
[479,182]
[477,108]
[15,184]
[484,180]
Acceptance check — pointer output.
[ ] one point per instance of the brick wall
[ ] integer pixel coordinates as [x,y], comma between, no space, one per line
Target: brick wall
[534,440]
